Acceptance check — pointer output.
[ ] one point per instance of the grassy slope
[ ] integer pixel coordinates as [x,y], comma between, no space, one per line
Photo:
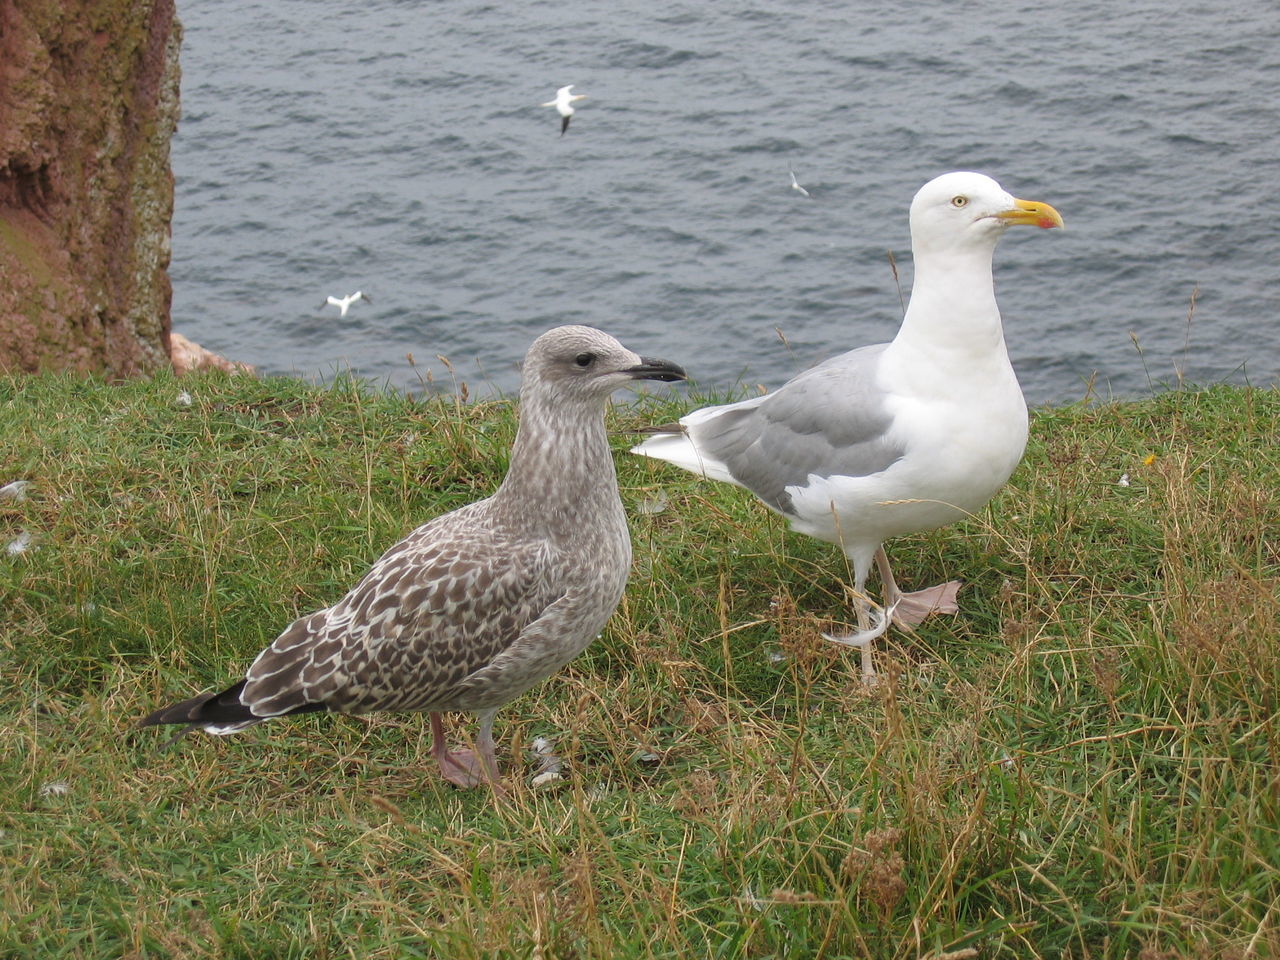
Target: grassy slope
[1083,764]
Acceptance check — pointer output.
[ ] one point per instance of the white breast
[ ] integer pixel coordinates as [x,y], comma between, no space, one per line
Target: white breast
[962,441]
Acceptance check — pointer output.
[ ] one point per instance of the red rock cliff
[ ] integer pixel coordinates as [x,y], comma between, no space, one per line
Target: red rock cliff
[88,103]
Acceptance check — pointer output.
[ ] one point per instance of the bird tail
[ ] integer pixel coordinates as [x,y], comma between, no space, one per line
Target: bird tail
[679,448]
[215,713]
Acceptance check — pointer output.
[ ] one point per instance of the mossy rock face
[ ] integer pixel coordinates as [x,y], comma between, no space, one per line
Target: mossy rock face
[86,191]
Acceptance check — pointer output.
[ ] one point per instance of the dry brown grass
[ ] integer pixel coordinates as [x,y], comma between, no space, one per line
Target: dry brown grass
[1082,765]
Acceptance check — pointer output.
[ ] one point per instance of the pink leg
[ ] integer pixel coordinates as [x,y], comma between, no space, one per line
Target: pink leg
[873,620]
[865,635]
[488,753]
[910,609]
[463,768]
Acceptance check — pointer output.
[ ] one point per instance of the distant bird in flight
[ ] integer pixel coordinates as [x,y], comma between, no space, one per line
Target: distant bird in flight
[344,303]
[561,103]
[795,184]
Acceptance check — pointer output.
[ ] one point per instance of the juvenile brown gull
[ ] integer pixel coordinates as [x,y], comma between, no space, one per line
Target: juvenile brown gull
[475,607]
[894,438]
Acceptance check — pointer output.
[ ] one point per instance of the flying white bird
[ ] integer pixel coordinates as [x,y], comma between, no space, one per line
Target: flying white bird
[344,303]
[561,103]
[795,184]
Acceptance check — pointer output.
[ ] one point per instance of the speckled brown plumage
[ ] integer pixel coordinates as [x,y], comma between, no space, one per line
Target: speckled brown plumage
[476,606]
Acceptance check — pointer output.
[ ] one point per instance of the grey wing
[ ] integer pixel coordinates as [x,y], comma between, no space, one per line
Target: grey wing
[431,612]
[829,420]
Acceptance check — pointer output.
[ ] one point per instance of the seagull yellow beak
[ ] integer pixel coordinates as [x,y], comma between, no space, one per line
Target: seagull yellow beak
[1031,212]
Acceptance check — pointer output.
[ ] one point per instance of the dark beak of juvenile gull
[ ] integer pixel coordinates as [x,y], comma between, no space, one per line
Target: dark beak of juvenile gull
[651,369]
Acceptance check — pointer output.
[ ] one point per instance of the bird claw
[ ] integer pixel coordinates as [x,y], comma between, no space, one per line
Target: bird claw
[882,617]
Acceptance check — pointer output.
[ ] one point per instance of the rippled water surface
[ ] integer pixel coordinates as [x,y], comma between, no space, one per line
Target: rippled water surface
[398,147]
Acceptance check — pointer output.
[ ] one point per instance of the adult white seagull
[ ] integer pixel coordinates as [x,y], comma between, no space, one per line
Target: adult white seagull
[562,104]
[344,303]
[894,438]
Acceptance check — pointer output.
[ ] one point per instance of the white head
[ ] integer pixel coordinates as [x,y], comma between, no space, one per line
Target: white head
[959,210]
[583,363]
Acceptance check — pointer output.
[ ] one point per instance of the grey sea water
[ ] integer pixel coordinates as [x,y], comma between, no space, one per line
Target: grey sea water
[397,147]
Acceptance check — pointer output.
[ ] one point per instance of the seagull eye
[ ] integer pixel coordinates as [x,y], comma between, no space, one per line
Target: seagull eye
[585,359]
[959,201]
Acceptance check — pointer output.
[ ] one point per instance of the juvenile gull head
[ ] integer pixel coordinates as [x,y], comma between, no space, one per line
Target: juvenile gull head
[476,606]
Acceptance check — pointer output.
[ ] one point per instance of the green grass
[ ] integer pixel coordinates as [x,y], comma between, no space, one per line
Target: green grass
[1084,764]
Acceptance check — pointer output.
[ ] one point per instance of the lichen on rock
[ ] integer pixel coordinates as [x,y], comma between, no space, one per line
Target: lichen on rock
[189,357]
[88,104]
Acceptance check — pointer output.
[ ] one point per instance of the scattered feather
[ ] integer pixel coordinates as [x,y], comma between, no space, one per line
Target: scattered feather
[544,778]
[550,767]
[17,490]
[55,788]
[184,399]
[651,506]
[20,544]
[1123,481]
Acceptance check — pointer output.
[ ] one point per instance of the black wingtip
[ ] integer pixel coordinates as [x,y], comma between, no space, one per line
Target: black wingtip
[224,707]
[564,125]
[218,709]
[176,713]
